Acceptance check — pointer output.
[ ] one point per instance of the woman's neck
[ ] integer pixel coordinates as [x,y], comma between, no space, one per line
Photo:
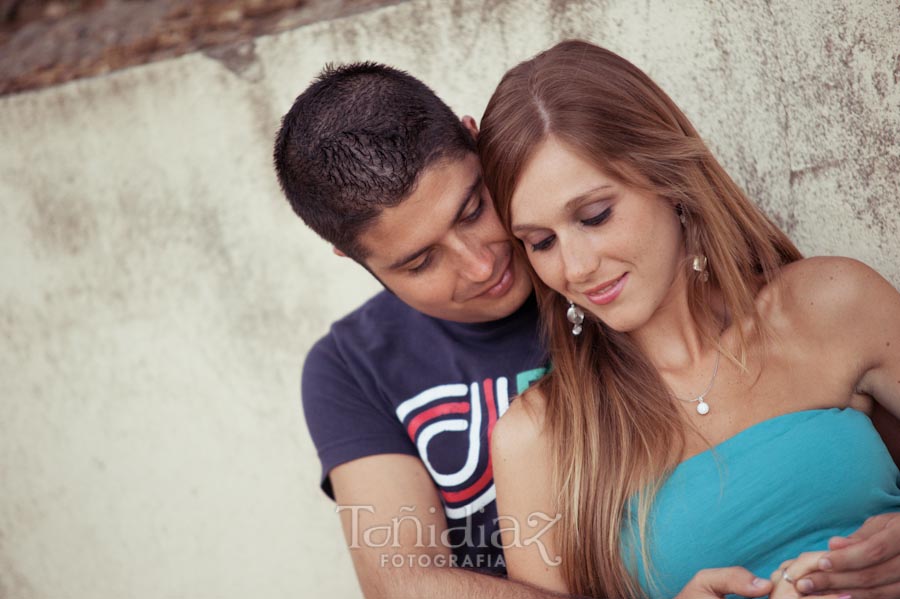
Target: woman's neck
[672,339]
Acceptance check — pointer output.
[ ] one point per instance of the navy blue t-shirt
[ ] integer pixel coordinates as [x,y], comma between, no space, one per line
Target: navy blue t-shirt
[389,379]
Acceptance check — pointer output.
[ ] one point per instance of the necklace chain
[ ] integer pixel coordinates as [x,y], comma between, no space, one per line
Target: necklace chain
[702,406]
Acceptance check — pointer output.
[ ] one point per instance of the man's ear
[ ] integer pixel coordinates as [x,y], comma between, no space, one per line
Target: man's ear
[470,124]
[338,252]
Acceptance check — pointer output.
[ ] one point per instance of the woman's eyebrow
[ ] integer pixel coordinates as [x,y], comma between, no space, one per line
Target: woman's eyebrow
[568,206]
[585,195]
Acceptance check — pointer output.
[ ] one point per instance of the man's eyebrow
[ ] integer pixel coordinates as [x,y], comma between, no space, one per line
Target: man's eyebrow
[476,184]
[568,206]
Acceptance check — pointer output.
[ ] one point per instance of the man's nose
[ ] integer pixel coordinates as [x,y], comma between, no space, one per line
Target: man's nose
[476,261]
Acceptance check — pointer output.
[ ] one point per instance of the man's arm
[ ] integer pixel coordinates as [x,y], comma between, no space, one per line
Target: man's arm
[392,493]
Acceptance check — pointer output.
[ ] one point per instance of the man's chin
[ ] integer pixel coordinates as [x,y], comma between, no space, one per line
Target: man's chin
[497,308]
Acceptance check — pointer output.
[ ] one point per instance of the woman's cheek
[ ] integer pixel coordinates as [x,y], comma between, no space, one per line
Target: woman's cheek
[548,272]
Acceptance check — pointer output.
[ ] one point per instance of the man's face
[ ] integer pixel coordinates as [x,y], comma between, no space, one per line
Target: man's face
[443,250]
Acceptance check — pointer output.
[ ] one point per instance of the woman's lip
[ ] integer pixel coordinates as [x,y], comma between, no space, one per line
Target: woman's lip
[596,297]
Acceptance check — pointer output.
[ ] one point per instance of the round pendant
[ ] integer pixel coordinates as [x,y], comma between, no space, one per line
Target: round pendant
[702,407]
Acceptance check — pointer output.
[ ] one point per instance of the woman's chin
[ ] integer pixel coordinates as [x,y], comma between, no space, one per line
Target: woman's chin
[618,325]
[622,323]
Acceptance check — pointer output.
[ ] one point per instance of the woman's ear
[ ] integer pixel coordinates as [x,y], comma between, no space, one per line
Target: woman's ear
[338,252]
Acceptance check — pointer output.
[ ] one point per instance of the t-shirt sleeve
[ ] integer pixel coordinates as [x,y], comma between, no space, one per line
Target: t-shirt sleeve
[345,419]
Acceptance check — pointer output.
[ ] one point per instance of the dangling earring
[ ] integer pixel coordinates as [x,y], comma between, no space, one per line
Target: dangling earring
[699,263]
[576,316]
[700,267]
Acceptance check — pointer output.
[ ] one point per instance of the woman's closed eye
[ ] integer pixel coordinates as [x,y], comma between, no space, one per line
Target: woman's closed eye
[543,244]
[597,219]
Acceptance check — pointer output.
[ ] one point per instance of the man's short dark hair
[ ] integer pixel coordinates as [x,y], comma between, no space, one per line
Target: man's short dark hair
[355,142]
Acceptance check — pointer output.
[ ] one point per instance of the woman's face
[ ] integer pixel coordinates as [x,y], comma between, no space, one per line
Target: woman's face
[613,249]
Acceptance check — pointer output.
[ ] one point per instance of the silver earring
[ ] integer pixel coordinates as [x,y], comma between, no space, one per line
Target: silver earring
[576,316]
[699,266]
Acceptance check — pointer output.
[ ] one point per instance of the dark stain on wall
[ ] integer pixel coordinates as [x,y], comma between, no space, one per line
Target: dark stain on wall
[349,35]
[797,174]
[488,6]
[64,225]
[568,18]
[880,83]
[786,222]
[878,207]
[240,59]
[457,9]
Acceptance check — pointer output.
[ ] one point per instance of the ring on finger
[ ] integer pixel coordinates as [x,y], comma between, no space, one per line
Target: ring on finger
[787,577]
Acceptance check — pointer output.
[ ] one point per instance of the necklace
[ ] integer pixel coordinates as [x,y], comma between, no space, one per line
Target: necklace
[702,406]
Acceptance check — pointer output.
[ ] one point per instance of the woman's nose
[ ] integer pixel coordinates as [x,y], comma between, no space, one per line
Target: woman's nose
[579,262]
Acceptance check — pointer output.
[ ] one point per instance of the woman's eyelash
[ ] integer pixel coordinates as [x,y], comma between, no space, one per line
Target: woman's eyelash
[543,244]
[589,222]
[596,220]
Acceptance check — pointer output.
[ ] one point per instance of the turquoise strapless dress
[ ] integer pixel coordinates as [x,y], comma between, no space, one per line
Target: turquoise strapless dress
[771,492]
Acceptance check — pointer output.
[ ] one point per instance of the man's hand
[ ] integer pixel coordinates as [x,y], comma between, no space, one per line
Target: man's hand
[715,583]
[789,572]
[865,565]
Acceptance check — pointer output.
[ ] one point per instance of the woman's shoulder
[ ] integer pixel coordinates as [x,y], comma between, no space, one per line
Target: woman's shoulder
[826,274]
[521,427]
[823,291]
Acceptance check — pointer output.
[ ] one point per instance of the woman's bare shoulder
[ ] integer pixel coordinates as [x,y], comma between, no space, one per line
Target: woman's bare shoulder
[822,292]
[521,427]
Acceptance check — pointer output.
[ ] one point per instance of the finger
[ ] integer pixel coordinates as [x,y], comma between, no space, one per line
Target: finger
[786,564]
[778,574]
[891,591]
[788,592]
[718,582]
[792,570]
[784,589]
[885,573]
[835,543]
[871,526]
[874,549]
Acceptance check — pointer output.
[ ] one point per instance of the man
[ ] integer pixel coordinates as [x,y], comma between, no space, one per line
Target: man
[402,394]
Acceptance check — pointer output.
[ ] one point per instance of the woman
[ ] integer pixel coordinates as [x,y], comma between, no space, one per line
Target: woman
[708,400]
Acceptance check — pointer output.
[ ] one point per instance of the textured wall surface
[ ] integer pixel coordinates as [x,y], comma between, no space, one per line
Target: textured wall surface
[158,295]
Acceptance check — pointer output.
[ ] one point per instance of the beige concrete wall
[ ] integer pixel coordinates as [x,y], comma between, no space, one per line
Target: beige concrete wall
[158,296]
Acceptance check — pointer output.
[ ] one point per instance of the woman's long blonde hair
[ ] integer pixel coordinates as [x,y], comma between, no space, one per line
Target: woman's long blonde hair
[614,428]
